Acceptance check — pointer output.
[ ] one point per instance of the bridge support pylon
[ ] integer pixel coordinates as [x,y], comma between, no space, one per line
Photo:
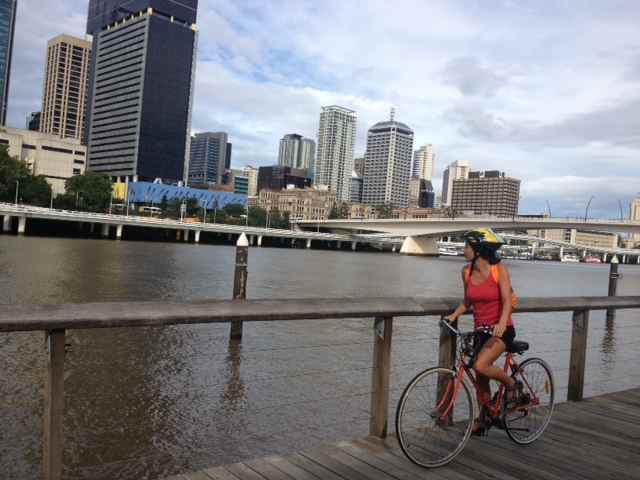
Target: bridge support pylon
[308,243]
[259,240]
[196,238]
[354,246]
[22,225]
[420,246]
[119,232]
[105,230]
[6,224]
[185,235]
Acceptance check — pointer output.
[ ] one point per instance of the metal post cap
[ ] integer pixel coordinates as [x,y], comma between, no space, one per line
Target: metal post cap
[242,241]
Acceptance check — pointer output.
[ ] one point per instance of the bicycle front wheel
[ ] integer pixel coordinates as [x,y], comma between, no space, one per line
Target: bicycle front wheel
[434,417]
[528,418]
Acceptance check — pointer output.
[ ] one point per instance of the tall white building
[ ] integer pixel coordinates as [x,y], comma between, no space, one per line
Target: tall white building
[635,216]
[424,162]
[455,171]
[297,152]
[336,139]
[388,164]
[64,95]
[252,174]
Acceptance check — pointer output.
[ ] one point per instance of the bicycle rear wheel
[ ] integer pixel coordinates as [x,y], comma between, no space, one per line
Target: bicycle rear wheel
[434,417]
[528,418]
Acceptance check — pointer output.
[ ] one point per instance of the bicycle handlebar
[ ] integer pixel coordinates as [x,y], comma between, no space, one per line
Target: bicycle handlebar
[454,331]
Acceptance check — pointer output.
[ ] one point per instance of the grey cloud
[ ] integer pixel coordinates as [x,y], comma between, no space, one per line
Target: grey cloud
[617,124]
[471,78]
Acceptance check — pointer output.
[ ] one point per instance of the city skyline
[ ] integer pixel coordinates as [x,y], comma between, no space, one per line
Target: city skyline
[543,118]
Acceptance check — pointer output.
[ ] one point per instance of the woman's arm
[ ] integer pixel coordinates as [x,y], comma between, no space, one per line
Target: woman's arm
[462,308]
[505,295]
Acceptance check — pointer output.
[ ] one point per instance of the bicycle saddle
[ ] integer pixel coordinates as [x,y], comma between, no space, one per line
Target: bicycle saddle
[518,347]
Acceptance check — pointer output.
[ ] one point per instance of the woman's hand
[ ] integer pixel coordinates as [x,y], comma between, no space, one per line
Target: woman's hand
[452,318]
[499,328]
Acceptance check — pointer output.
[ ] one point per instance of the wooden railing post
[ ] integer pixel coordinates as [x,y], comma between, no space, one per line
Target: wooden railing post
[53,441]
[578,354]
[240,281]
[380,376]
[447,348]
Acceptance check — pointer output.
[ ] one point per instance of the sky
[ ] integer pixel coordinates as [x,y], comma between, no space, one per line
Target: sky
[548,92]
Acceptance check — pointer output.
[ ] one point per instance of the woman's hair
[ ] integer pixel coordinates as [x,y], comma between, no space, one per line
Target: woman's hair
[488,252]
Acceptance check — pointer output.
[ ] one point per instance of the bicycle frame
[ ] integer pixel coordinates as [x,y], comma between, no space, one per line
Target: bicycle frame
[494,408]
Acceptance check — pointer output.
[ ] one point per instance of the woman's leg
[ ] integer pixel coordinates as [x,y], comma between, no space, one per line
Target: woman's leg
[484,362]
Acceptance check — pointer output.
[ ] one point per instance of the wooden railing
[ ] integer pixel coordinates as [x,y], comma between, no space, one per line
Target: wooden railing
[54,320]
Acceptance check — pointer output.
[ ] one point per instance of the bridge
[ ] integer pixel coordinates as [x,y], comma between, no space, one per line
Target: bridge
[588,438]
[115,224]
[420,235]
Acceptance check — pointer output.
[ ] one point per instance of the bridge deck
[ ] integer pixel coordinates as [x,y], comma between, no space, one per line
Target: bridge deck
[597,438]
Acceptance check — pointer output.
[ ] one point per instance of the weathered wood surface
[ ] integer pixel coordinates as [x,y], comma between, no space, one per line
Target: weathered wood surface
[15,318]
[597,438]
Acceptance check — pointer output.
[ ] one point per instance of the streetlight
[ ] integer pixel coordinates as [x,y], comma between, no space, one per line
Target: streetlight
[586,211]
[17,188]
[51,202]
[549,208]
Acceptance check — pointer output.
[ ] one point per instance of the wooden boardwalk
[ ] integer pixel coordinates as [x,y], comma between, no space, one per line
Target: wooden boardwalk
[598,438]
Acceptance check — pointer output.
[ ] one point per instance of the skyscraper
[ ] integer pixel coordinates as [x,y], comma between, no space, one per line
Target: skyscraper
[208,157]
[64,93]
[143,67]
[489,192]
[7,26]
[252,174]
[455,171]
[424,162]
[336,139]
[297,152]
[388,164]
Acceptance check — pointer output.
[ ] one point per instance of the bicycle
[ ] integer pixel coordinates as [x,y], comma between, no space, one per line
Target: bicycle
[436,411]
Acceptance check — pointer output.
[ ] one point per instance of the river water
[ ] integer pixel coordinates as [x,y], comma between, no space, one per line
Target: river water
[150,402]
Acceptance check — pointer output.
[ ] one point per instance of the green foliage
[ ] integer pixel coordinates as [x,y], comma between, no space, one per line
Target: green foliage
[90,192]
[14,173]
[257,217]
[384,210]
[235,210]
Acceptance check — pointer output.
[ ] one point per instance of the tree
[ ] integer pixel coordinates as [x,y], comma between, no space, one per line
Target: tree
[334,213]
[257,217]
[235,210]
[385,210]
[90,192]
[16,174]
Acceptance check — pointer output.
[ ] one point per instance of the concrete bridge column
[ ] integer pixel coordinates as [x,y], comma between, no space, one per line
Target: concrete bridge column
[6,224]
[259,240]
[22,225]
[178,234]
[624,259]
[638,259]
[533,251]
[293,242]
[339,245]
[354,245]
[252,239]
[119,231]
[105,230]
[186,235]
[230,236]
[308,243]
[561,252]
[420,246]
[393,248]
[92,228]
[197,236]
[604,258]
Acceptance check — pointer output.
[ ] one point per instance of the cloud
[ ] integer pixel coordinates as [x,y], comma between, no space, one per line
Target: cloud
[472,78]
[541,90]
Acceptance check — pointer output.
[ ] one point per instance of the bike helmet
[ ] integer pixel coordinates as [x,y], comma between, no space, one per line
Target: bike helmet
[485,243]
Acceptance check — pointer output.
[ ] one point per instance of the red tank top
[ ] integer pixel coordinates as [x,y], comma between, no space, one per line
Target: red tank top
[486,301]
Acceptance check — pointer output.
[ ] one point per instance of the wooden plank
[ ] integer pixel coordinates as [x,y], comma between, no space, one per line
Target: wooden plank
[53,435]
[147,314]
[345,471]
[219,473]
[316,469]
[379,406]
[243,472]
[196,476]
[390,452]
[267,470]
[289,468]
[578,354]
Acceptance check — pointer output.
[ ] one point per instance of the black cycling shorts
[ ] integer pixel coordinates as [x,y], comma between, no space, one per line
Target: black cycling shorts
[483,336]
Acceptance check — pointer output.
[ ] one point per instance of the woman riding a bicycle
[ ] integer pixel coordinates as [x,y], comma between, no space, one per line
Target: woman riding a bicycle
[487,289]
